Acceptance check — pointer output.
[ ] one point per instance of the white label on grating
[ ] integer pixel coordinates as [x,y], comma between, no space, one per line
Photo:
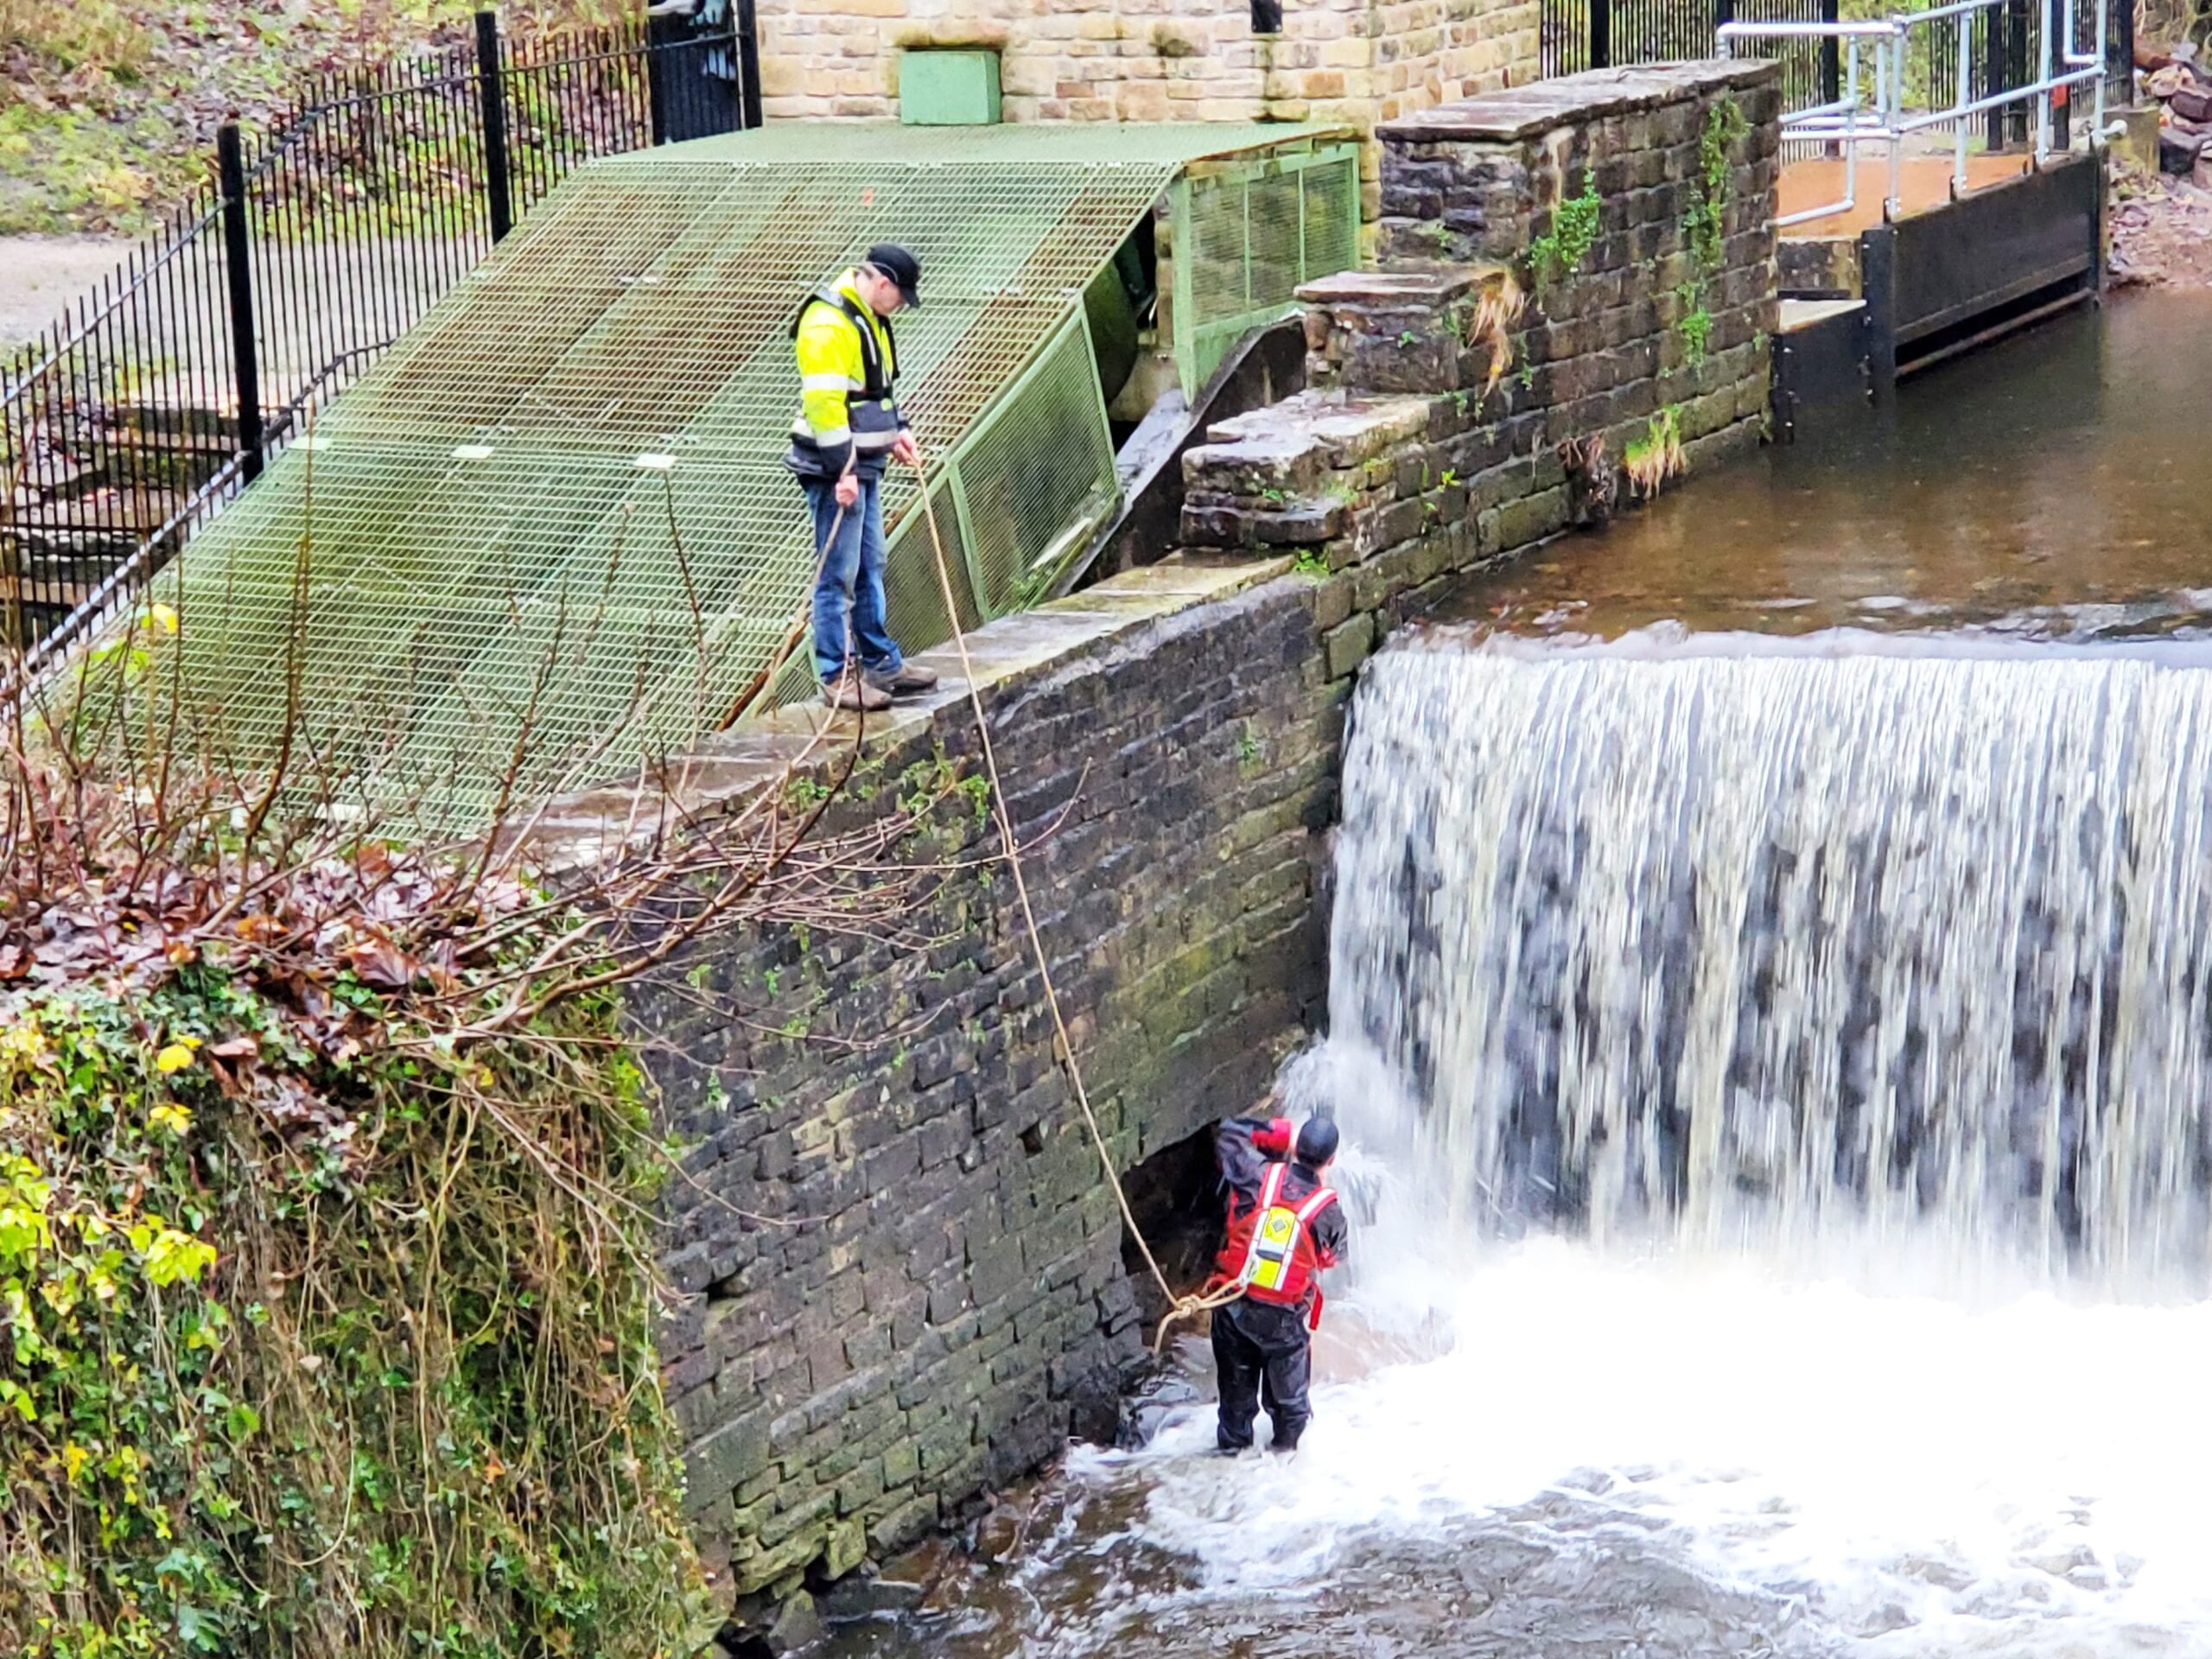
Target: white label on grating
[473,452]
[656,463]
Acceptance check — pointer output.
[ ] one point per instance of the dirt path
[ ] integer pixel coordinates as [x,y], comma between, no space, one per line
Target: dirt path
[40,276]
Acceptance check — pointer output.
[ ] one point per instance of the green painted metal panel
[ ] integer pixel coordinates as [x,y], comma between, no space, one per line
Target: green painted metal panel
[949,88]
[1247,232]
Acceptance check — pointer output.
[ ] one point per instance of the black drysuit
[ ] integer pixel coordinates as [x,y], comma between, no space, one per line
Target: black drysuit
[1262,1351]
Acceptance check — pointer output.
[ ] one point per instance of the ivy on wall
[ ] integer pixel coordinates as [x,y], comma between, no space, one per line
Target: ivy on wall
[318,1343]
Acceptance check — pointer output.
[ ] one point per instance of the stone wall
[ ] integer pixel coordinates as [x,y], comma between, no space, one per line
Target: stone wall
[1420,449]
[898,1276]
[899,1271]
[1353,63]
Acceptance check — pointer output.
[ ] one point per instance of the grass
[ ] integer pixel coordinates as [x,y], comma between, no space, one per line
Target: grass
[108,109]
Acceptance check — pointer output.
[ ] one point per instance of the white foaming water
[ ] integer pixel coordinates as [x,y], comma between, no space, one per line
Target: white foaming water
[1773,1091]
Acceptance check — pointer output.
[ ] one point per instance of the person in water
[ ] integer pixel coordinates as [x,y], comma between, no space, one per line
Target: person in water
[1285,1226]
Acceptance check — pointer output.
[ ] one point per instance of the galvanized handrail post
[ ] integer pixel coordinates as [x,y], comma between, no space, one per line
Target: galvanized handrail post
[1964,23]
[238,270]
[491,95]
[1893,203]
[2043,74]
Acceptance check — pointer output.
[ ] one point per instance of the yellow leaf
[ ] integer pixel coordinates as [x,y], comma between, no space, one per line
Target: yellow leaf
[176,1119]
[73,1458]
[162,616]
[175,1058]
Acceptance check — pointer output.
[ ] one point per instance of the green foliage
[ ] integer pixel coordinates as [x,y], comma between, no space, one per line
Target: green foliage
[1694,324]
[108,109]
[978,788]
[320,1350]
[1250,753]
[1657,456]
[1576,223]
[1310,562]
[1705,225]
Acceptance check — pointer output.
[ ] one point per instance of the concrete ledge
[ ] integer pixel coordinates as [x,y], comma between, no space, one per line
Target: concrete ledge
[726,771]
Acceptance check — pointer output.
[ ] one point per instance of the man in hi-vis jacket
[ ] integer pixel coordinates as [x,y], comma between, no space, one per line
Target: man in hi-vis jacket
[848,425]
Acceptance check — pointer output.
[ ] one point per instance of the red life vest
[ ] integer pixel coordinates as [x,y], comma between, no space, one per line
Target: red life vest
[1270,1252]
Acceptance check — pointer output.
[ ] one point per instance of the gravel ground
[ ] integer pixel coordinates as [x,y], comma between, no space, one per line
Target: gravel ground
[2162,234]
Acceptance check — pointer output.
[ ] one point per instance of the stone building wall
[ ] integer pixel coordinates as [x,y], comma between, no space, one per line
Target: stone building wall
[1355,62]
[898,1276]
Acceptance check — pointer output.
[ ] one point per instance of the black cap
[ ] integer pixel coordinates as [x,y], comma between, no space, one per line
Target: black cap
[1317,1142]
[901,267]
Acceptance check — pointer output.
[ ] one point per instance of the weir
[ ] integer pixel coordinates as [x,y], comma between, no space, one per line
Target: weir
[1766,1016]
[1771,945]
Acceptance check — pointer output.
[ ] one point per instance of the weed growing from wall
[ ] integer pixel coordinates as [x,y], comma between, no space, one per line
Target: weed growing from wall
[1657,456]
[1577,222]
[1705,224]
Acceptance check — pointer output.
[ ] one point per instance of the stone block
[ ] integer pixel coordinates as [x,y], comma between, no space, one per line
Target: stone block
[1345,646]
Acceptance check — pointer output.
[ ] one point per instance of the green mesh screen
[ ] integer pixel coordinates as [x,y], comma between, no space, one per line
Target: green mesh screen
[1247,232]
[1038,476]
[557,502]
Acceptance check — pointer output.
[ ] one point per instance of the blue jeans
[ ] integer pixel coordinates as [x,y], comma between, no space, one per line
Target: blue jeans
[852,580]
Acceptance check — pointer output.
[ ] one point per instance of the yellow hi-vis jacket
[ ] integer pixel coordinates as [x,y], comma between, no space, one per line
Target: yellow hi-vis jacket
[848,360]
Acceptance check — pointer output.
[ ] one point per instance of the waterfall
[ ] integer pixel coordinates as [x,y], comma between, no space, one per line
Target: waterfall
[1780,945]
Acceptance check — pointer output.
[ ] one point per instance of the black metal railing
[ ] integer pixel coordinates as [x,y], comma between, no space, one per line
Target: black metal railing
[163,392]
[1576,34]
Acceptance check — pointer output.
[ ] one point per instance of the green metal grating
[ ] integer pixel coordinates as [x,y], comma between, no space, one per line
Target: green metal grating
[1247,232]
[559,498]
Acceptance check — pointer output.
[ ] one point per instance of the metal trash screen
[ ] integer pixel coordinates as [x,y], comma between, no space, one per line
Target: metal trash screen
[557,507]
[1248,230]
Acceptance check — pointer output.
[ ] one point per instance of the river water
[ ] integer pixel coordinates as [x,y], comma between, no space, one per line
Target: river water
[1771,1022]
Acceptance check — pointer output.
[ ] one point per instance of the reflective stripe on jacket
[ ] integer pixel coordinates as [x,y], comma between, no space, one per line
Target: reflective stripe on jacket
[848,360]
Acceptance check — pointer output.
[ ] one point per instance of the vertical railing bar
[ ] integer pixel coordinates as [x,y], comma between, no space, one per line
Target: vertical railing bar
[747,27]
[492,99]
[245,366]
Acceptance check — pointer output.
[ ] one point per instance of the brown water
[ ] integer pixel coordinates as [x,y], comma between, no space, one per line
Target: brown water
[2058,485]
[1550,1451]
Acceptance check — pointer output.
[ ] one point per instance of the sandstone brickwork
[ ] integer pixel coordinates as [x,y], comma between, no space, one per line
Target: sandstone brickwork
[1355,62]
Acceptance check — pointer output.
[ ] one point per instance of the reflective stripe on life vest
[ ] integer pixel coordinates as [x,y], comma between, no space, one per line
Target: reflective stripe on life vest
[1272,1270]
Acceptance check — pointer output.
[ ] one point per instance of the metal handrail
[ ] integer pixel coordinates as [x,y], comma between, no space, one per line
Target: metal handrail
[1839,122]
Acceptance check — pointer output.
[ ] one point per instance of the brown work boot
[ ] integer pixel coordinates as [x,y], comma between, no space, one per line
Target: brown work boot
[908,680]
[850,692]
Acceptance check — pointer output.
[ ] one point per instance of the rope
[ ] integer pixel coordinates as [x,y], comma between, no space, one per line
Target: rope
[1181,1307]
